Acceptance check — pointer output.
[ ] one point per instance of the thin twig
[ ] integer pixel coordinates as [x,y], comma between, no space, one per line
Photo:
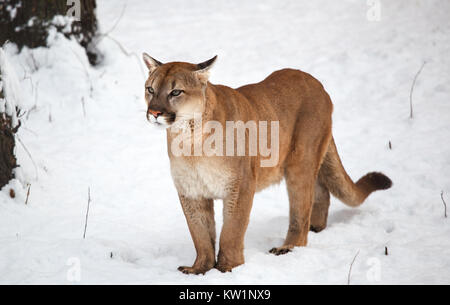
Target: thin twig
[36,94]
[29,155]
[103,35]
[445,204]
[87,212]
[118,19]
[86,72]
[412,90]
[83,106]
[128,54]
[35,66]
[30,131]
[28,194]
[351,267]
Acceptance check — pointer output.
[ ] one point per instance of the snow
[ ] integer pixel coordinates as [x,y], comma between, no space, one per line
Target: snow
[86,128]
[10,88]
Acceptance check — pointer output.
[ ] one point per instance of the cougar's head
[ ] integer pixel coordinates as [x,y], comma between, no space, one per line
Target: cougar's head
[175,91]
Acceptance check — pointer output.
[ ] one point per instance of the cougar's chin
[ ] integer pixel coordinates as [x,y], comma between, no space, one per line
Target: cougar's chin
[163,121]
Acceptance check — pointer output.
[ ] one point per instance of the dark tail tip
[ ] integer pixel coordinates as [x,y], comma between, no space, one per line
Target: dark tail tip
[378,181]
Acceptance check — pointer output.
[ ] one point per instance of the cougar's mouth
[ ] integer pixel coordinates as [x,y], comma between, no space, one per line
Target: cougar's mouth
[170,117]
[162,119]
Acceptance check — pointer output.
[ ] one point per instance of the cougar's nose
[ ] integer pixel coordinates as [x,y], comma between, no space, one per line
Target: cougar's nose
[155,113]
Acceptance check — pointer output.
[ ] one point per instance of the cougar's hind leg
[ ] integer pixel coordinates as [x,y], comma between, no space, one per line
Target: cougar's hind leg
[300,179]
[321,204]
[301,172]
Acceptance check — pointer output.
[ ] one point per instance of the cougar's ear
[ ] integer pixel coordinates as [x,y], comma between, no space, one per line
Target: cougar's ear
[150,62]
[203,69]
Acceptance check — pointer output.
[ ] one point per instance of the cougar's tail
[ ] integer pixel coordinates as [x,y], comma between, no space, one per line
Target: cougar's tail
[334,177]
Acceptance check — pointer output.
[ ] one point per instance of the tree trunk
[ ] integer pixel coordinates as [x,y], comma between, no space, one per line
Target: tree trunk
[7,143]
[26,22]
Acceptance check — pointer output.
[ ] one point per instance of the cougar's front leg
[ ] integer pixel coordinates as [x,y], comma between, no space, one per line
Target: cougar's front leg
[236,214]
[200,218]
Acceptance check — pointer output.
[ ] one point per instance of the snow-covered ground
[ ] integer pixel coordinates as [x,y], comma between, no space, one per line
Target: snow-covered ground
[81,137]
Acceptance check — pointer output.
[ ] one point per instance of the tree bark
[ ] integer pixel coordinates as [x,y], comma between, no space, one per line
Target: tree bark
[7,143]
[26,23]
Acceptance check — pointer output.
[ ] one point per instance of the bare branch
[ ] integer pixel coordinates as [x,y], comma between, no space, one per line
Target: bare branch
[351,267]
[83,106]
[412,90]
[445,204]
[103,35]
[86,72]
[29,155]
[118,19]
[28,194]
[128,54]
[87,212]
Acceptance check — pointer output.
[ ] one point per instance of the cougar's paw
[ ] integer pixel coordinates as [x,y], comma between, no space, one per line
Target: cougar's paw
[281,250]
[224,268]
[228,260]
[228,266]
[192,270]
[316,229]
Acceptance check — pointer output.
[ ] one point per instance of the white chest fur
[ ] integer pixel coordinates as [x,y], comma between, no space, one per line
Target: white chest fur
[201,178]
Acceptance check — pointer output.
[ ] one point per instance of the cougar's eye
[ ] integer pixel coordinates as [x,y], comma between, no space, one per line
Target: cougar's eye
[150,90]
[176,92]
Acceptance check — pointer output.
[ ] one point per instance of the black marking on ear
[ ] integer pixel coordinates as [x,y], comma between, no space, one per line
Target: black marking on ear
[207,64]
[156,61]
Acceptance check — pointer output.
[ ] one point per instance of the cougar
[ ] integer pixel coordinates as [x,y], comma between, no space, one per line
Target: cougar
[307,157]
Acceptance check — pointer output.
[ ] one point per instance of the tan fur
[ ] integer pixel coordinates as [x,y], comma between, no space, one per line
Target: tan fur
[308,159]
